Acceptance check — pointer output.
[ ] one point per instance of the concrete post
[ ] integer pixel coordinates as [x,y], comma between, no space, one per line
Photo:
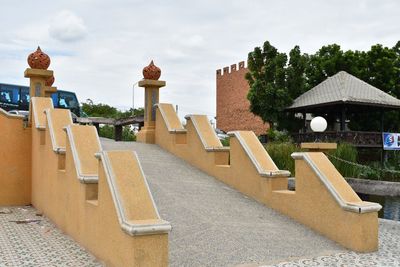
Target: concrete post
[38,79]
[151,87]
[118,132]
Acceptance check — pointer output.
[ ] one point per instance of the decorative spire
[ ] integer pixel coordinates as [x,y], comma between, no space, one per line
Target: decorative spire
[50,81]
[39,60]
[151,72]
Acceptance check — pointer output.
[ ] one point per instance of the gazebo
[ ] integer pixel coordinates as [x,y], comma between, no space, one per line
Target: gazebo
[339,95]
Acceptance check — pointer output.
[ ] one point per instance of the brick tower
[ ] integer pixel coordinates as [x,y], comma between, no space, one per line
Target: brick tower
[232,104]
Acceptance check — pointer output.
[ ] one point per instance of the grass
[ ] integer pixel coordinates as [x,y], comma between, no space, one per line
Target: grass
[107,131]
[348,153]
[281,155]
[348,165]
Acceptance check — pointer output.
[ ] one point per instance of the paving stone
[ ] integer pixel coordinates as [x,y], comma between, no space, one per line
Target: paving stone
[38,243]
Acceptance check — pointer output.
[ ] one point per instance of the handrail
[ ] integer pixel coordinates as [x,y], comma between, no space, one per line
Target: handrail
[167,123]
[83,178]
[35,114]
[14,116]
[220,147]
[58,150]
[133,229]
[352,207]
[257,165]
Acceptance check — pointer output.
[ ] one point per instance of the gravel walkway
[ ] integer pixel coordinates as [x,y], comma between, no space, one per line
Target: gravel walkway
[213,224]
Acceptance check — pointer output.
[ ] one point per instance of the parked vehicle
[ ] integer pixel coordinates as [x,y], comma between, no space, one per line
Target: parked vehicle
[221,134]
[19,112]
[16,98]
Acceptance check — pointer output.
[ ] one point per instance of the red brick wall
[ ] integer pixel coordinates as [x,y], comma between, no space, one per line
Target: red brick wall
[232,104]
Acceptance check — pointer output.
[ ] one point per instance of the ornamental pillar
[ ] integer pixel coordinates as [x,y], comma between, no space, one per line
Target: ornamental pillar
[41,79]
[151,86]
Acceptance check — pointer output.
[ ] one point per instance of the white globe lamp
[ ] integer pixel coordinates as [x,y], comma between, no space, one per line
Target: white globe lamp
[318,124]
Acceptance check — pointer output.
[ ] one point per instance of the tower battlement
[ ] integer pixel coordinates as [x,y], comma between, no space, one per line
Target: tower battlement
[231,69]
[233,108]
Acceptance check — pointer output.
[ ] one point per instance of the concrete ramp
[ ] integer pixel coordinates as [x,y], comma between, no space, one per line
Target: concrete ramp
[215,225]
[247,167]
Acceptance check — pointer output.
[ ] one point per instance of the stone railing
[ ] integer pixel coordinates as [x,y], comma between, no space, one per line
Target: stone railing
[103,203]
[322,200]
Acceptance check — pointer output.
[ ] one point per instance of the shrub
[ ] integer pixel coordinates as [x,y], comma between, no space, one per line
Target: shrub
[225,141]
[128,134]
[349,153]
[372,172]
[107,131]
[281,155]
[278,136]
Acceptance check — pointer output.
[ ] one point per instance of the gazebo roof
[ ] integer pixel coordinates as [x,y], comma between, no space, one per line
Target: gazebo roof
[344,88]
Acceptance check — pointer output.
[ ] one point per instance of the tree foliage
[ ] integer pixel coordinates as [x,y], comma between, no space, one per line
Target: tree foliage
[106,111]
[276,80]
[268,93]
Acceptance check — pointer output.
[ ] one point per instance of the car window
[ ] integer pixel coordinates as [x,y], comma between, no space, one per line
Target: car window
[67,100]
[9,94]
[25,96]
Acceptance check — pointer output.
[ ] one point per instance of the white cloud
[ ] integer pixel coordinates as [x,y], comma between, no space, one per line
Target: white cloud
[193,41]
[67,27]
[188,40]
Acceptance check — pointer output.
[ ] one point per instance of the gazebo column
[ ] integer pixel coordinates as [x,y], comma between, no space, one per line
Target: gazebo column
[382,120]
[343,119]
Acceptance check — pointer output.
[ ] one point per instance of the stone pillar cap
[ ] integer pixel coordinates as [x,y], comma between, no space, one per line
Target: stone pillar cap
[151,83]
[29,73]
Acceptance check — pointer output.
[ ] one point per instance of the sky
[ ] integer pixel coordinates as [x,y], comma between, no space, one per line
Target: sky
[98,48]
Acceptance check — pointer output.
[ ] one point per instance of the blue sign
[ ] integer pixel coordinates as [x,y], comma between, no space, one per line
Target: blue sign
[391,141]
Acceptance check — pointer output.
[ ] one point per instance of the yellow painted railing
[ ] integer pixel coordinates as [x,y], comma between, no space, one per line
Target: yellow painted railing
[323,200]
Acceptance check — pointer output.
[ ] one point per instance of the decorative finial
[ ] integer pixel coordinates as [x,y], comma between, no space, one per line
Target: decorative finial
[39,60]
[50,81]
[151,72]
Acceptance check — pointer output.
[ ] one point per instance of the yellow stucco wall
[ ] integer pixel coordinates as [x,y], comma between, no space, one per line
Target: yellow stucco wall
[15,160]
[313,205]
[323,200]
[105,206]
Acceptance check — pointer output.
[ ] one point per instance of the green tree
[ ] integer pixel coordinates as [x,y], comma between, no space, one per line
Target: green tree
[378,67]
[99,110]
[268,94]
[326,62]
[296,78]
[106,111]
[274,85]
[296,83]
